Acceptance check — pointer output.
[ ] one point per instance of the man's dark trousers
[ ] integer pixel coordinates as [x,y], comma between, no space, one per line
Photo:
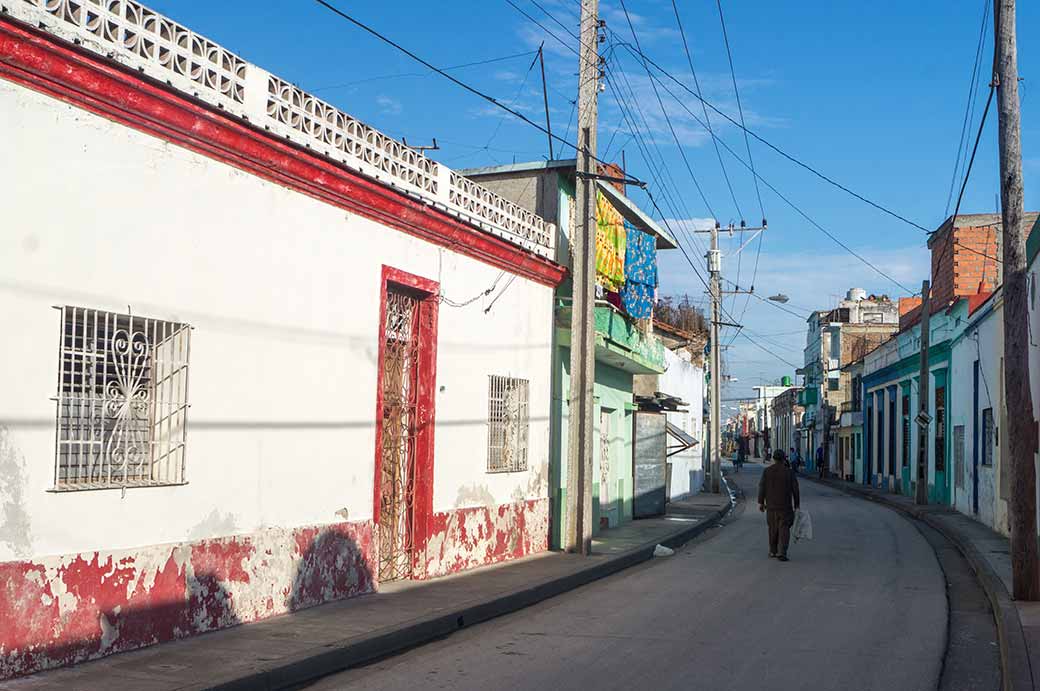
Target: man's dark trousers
[779,523]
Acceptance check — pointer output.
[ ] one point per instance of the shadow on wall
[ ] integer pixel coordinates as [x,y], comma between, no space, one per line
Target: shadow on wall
[68,611]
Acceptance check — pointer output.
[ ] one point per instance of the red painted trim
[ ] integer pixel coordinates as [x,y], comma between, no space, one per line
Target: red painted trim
[426,392]
[52,66]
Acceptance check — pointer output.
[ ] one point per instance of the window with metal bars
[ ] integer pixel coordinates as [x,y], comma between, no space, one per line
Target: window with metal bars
[122,400]
[508,424]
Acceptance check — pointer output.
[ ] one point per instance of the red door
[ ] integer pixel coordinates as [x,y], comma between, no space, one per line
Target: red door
[404,422]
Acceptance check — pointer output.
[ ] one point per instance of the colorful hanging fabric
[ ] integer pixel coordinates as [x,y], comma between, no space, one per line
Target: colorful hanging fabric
[640,256]
[610,244]
[637,299]
[637,295]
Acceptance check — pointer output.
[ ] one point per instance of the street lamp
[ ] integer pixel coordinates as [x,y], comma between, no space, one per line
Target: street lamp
[779,297]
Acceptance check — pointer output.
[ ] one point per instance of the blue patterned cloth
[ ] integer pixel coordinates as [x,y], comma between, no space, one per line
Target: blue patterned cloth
[637,299]
[637,294]
[640,257]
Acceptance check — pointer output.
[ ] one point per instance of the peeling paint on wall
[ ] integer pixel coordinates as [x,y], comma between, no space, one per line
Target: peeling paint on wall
[467,538]
[67,609]
[15,527]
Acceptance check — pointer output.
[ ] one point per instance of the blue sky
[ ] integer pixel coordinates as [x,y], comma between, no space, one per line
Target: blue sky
[872,94]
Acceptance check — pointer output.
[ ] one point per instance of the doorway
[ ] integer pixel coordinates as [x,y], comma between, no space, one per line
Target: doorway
[404,422]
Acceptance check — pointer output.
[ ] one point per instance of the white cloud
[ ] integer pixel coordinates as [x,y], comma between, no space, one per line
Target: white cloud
[388,105]
[810,279]
[635,90]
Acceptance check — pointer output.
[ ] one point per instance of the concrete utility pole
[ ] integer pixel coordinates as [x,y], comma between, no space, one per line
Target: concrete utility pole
[583,265]
[923,418]
[714,269]
[1022,430]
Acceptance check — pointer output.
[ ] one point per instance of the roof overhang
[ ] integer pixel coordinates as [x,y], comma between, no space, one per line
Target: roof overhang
[636,216]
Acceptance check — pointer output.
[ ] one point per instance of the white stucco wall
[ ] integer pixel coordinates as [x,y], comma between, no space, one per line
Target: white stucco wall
[684,379]
[982,341]
[283,292]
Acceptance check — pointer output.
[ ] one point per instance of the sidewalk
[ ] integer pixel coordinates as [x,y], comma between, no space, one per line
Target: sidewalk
[293,648]
[988,552]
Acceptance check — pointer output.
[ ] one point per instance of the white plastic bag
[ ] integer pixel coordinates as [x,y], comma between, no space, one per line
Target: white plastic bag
[662,551]
[802,528]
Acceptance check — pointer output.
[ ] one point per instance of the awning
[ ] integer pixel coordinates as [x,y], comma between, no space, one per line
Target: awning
[685,441]
[636,216]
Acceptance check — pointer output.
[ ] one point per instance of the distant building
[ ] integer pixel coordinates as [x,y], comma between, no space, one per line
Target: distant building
[787,419]
[834,338]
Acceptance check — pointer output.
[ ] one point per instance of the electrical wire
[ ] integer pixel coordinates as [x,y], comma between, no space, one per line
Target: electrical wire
[668,120]
[790,203]
[427,73]
[519,92]
[476,92]
[740,108]
[777,149]
[707,119]
[969,108]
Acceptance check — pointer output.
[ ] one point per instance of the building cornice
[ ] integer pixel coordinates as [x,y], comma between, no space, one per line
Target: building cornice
[40,61]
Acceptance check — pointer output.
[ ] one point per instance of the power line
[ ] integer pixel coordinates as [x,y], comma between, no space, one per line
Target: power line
[761,347]
[668,120]
[778,150]
[464,85]
[707,120]
[644,149]
[519,92]
[544,28]
[751,160]
[967,175]
[425,74]
[969,107]
[787,201]
[740,109]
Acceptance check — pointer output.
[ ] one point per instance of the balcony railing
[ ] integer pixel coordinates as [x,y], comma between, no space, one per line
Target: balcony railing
[146,41]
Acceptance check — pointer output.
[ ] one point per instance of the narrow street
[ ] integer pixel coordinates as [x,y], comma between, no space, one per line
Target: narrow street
[862,606]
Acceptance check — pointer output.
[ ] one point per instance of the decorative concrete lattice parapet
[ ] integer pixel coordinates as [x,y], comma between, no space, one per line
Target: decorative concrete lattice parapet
[144,40]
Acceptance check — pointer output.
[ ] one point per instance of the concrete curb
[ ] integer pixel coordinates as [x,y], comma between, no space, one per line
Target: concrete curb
[1016,669]
[357,651]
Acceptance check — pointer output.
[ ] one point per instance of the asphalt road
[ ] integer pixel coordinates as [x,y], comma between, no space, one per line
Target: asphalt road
[862,606]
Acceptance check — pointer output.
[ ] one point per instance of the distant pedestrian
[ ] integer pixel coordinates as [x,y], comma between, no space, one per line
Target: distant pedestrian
[820,468]
[796,460]
[778,497]
[742,449]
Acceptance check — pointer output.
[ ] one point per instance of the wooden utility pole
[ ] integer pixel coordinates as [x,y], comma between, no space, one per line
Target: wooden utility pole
[923,418]
[1021,427]
[715,269]
[583,273]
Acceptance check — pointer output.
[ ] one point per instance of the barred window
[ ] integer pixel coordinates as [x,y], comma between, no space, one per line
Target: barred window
[508,424]
[122,400]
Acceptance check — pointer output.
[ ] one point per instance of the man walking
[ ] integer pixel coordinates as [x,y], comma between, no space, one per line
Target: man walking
[778,497]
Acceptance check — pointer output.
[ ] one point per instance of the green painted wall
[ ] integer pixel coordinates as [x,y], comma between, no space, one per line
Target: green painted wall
[613,394]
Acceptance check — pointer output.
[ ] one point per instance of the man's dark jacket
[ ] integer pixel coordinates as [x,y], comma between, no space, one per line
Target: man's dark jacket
[778,488]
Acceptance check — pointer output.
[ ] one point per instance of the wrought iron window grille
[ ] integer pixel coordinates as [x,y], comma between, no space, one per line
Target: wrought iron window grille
[121,402]
[508,424]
